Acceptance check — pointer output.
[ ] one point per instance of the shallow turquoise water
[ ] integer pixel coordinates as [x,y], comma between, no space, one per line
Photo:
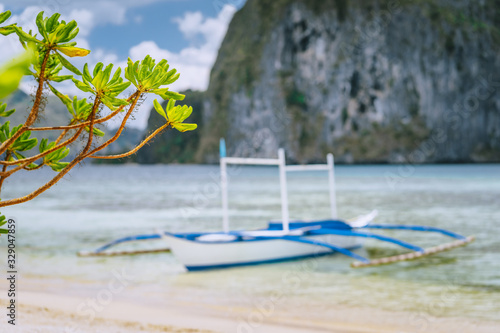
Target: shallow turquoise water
[96,204]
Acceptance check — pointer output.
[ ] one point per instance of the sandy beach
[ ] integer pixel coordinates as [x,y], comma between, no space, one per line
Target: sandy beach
[40,311]
[58,291]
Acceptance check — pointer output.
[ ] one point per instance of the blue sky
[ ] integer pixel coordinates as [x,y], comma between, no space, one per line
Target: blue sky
[187,33]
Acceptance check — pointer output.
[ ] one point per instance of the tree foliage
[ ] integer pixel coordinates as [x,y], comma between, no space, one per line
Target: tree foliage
[45,59]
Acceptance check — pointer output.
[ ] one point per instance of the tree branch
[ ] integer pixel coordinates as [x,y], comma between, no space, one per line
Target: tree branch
[64,171]
[53,149]
[133,151]
[26,161]
[120,129]
[34,110]
[87,123]
[2,178]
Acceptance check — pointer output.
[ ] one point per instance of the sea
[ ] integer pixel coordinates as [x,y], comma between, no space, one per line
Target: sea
[95,204]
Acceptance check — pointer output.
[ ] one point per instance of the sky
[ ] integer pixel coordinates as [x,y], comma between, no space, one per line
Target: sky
[187,33]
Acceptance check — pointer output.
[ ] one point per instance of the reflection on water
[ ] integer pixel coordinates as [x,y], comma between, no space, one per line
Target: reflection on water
[96,204]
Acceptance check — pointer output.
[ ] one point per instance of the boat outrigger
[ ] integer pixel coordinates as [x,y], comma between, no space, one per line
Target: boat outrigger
[285,240]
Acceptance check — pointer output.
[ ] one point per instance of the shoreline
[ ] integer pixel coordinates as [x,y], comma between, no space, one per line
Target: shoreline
[40,311]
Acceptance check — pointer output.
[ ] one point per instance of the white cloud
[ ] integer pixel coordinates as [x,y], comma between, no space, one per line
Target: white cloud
[212,29]
[205,35]
[194,62]
[104,11]
[85,18]
[10,45]
[109,12]
[138,19]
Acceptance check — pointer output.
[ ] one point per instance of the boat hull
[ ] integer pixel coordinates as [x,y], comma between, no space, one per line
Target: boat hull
[196,255]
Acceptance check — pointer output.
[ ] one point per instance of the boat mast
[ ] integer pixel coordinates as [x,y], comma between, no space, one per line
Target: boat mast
[224,161]
[283,168]
[284,190]
[223,185]
[331,183]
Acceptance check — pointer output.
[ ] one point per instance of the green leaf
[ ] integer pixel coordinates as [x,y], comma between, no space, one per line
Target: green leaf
[68,65]
[107,101]
[4,231]
[14,130]
[130,72]
[58,166]
[81,108]
[64,35]
[160,91]
[55,156]
[172,95]
[4,113]
[107,73]
[61,78]
[97,68]
[170,104]
[25,37]
[171,77]
[32,166]
[113,101]
[184,127]
[172,111]
[97,81]
[7,30]
[86,74]
[67,44]
[64,98]
[82,86]
[51,22]
[62,153]
[24,145]
[185,112]
[118,88]
[3,17]
[41,26]
[12,73]
[96,131]
[159,109]
[43,145]
[72,51]
[19,156]
[73,34]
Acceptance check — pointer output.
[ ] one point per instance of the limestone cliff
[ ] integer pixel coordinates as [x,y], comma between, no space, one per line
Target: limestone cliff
[372,81]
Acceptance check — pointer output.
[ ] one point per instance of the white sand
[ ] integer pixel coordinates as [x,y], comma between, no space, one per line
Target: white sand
[39,311]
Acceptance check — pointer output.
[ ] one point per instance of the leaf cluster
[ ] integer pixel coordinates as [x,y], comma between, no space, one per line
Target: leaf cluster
[20,144]
[47,60]
[53,159]
[175,115]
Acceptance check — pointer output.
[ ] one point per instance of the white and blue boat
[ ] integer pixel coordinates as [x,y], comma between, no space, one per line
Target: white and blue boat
[286,240]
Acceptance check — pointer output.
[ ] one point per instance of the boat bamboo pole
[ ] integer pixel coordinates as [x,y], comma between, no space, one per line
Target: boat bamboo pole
[414,255]
[120,253]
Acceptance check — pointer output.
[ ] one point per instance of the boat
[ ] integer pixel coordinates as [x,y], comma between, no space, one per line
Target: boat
[287,240]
